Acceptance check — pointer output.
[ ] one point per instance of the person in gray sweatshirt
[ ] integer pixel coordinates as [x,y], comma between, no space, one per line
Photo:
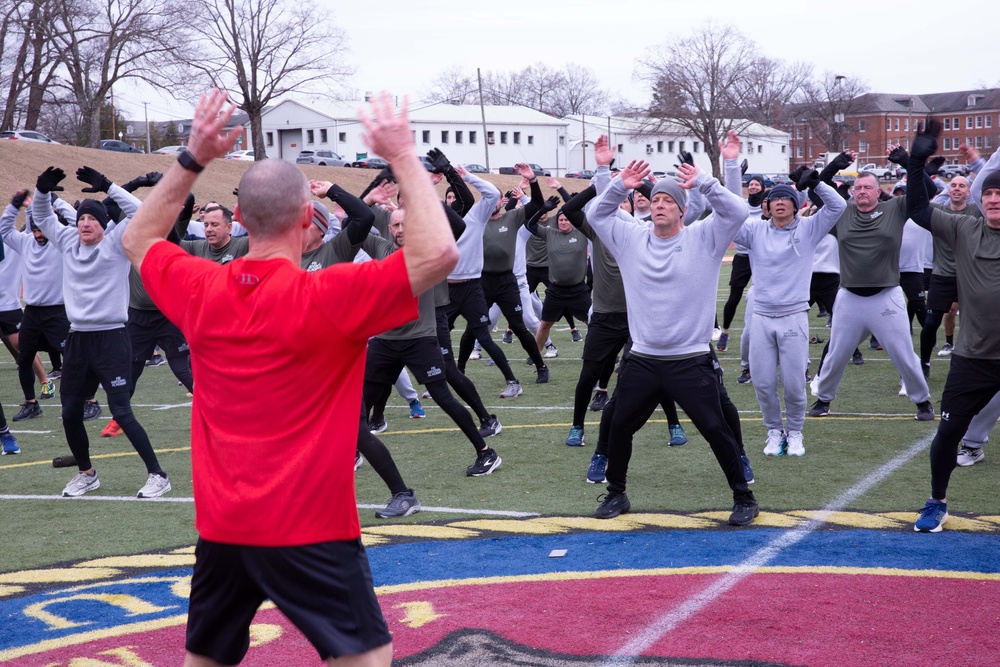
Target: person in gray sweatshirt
[671,268]
[96,290]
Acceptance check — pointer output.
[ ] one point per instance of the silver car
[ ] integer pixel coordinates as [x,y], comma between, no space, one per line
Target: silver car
[27,135]
[322,157]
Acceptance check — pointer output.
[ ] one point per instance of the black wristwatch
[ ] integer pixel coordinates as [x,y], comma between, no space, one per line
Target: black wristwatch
[186,160]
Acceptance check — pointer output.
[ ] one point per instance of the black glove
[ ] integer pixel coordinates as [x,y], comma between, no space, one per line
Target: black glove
[17,201]
[925,143]
[797,174]
[49,179]
[551,204]
[933,166]
[844,190]
[685,158]
[842,161]
[808,180]
[440,161]
[97,181]
[385,174]
[743,167]
[236,192]
[898,156]
[153,177]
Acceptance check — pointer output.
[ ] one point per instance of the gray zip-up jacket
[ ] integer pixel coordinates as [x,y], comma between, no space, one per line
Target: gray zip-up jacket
[43,269]
[470,243]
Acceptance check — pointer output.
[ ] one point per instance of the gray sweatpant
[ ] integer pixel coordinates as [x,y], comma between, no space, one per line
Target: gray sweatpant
[745,336]
[978,433]
[780,341]
[884,316]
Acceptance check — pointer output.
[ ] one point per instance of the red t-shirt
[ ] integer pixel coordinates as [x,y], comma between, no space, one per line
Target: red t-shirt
[278,355]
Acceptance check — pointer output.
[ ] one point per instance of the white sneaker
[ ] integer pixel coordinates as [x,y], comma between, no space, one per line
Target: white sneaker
[80,484]
[775,441]
[156,485]
[946,350]
[970,456]
[812,385]
[551,352]
[716,333]
[793,444]
[513,390]
[475,356]
[902,388]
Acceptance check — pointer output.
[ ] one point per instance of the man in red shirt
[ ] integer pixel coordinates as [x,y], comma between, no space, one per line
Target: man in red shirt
[275,505]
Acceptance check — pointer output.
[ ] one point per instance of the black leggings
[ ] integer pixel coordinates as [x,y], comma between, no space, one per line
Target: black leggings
[458,380]
[928,334]
[916,303]
[467,300]
[376,453]
[121,410]
[446,401]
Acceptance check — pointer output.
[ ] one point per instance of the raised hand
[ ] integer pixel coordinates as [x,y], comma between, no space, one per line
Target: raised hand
[933,166]
[526,172]
[97,181]
[17,201]
[603,154]
[387,133]
[688,173]
[808,179]
[925,143]
[898,155]
[211,115]
[634,173]
[743,167]
[551,204]
[319,188]
[48,180]
[968,153]
[844,160]
[730,146]
[517,192]
[553,183]
[439,159]
[461,171]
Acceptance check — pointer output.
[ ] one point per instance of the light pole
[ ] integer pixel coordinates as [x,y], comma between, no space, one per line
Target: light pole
[836,137]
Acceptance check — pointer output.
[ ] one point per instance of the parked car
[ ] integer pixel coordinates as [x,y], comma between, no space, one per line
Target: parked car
[585,173]
[370,163]
[664,174]
[118,146]
[534,167]
[322,157]
[170,150]
[950,171]
[27,135]
[245,156]
[883,173]
[474,168]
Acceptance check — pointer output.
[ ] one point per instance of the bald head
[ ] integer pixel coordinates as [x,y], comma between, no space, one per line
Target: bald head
[958,192]
[273,196]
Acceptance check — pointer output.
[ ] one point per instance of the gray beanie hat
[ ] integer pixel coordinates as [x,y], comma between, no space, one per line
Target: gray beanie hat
[671,187]
[321,217]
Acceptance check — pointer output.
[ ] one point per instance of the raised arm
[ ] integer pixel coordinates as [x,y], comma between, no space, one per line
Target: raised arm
[992,165]
[360,218]
[918,206]
[8,232]
[489,196]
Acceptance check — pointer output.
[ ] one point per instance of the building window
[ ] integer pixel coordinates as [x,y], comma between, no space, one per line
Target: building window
[444,136]
[954,123]
[270,138]
[897,125]
[310,137]
[968,140]
[760,148]
[472,136]
[798,151]
[531,140]
[490,137]
[503,137]
[425,136]
[888,124]
[947,143]
[979,142]
[342,137]
[862,125]
[681,144]
[947,123]
[810,133]
[621,148]
[989,121]
[459,136]
[517,137]
[659,146]
[695,147]
[670,147]
[862,146]
[979,122]
[988,142]
[798,133]
[906,125]
[562,140]
[750,147]
[847,145]
[968,122]
[783,150]
[322,136]
[810,151]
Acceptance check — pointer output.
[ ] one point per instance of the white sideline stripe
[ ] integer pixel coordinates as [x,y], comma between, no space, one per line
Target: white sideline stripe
[161,499]
[552,408]
[648,636]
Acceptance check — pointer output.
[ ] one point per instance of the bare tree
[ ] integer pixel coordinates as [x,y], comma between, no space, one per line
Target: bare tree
[829,105]
[502,88]
[579,93]
[541,84]
[768,86]
[453,85]
[260,50]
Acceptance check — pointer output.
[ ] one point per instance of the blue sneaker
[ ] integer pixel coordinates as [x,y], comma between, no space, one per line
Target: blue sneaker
[677,437]
[747,470]
[9,444]
[598,465]
[416,410]
[932,517]
[575,438]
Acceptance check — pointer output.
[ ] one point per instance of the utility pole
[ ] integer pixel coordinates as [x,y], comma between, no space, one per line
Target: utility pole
[482,112]
[583,126]
[145,114]
[113,113]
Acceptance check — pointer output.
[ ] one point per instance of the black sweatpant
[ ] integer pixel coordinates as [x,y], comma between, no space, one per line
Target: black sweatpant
[456,379]
[537,275]
[43,329]
[467,300]
[916,301]
[739,278]
[377,454]
[501,289]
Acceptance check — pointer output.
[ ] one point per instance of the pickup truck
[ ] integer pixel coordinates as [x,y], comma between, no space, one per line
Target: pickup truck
[534,167]
[883,173]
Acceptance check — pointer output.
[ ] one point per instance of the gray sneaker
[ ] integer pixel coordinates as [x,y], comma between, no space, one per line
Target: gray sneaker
[91,410]
[403,503]
[156,485]
[80,484]
[970,456]
[512,391]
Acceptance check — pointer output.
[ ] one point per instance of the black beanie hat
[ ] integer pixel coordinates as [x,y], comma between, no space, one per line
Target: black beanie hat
[991,182]
[94,208]
[759,179]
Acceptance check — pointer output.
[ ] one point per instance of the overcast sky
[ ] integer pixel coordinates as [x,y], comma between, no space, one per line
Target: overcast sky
[402,45]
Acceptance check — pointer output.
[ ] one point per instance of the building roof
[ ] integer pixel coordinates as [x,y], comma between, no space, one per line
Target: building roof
[439,112]
[987,98]
[666,127]
[887,103]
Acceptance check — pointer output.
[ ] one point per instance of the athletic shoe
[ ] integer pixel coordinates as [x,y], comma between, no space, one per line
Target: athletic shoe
[575,438]
[820,408]
[793,444]
[612,504]
[829,322]
[91,410]
[812,387]
[48,390]
[489,427]
[925,412]
[529,362]
[926,369]
[486,462]
[857,359]
[513,390]
[475,356]
[403,503]
[677,437]
[600,400]
[809,378]
[747,470]
[156,360]
[775,442]
[723,342]
[28,410]
[822,313]
[902,388]
[873,344]
[576,335]
[815,340]
[550,351]
[377,426]
[490,362]
[932,517]
[55,374]
[543,375]
[595,473]
[716,333]
[743,514]
[508,337]
[80,484]
[358,461]
[10,444]
[416,410]
[946,350]
[967,456]
[156,485]
[426,394]
[744,377]
[112,430]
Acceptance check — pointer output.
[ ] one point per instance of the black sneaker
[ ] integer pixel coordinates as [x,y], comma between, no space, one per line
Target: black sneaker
[28,410]
[743,514]
[576,335]
[744,377]
[856,358]
[377,426]
[819,409]
[55,374]
[156,360]
[925,412]
[543,375]
[600,401]
[508,337]
[489,427]
[92,410]
[486,462]
[403,503]
[926,368]
[612,504]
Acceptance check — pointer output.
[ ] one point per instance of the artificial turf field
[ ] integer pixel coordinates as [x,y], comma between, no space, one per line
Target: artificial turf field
[830,574]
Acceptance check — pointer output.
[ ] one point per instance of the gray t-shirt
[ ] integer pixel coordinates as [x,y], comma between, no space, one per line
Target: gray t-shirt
[944,256]
[337,250]
[567,255]
[609,290]
[500,241]
[425,326]
[236,248]
[869,244]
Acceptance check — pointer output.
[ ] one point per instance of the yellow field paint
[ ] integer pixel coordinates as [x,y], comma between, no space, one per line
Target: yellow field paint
[671,521]
[618,524]
[953,522]
[141,560]
[133,605]
[853,519]
[58,575]
[516,526]
[419,530]
[418,614]
[264,633]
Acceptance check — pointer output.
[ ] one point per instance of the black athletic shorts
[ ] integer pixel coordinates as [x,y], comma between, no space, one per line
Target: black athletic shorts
[971,384]
[10,321]
[44,328]
[823,288]
[560,299]
[386,358]
[97,356]
[740,274]
[501,289]
[943,292]
[607,334]
[913,286]
[536,275]
[149,328]
[324,589]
